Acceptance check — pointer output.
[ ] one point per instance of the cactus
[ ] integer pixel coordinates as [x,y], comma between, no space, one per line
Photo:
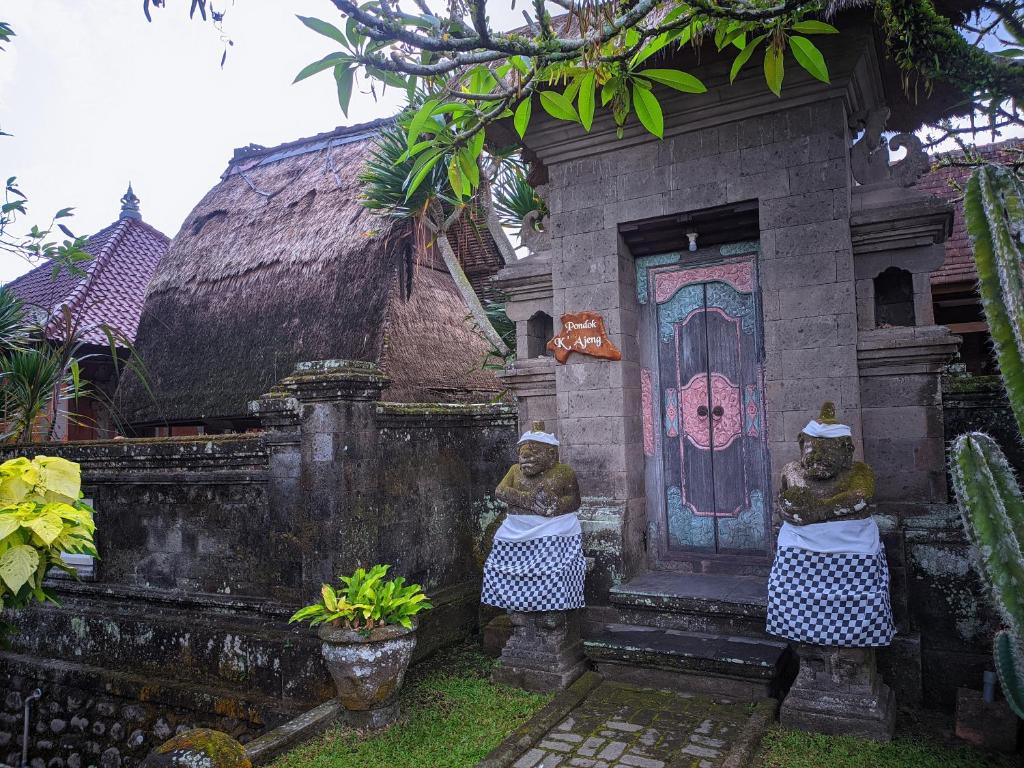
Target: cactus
[987,491]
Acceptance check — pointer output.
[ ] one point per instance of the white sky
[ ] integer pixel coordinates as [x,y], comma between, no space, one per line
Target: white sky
[96,96]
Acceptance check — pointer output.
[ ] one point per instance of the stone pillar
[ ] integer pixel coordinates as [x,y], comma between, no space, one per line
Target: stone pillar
[545,652]
[839,691]
[900,367]
[317,417]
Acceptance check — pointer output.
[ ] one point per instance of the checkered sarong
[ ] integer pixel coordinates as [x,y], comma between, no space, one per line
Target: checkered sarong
[543,574]
[830,598]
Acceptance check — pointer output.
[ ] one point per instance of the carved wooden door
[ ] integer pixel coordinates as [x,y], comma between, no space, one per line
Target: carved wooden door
[703,408]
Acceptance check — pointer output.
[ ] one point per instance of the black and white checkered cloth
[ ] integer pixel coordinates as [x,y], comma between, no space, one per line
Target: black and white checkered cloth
[543,574]
[830,598]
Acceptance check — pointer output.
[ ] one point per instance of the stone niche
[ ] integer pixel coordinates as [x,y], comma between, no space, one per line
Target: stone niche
[897,234]
[528,290]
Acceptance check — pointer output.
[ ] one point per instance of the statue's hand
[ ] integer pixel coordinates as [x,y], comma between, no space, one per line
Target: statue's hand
[544,503]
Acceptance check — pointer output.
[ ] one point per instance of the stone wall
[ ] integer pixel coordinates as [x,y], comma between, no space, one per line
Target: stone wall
[979,404]
[208,544]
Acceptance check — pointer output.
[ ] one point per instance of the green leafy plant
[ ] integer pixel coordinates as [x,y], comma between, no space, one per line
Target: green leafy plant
[365,601]
[987,491]
[41,516]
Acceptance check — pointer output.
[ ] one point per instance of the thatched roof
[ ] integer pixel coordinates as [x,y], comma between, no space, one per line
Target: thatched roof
[280,263]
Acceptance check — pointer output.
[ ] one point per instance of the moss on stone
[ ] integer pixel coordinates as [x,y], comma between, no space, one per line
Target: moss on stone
[199,748]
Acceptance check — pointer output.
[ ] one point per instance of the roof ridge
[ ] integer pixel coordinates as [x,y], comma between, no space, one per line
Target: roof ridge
[257,152]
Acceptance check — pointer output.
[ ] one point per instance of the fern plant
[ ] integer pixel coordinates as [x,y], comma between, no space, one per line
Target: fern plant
[987,491]
[366,601]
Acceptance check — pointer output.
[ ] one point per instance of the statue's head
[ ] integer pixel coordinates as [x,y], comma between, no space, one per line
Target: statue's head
[826,446]
[538,450]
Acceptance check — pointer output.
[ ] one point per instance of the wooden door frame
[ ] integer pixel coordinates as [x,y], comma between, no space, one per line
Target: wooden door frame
[658,555]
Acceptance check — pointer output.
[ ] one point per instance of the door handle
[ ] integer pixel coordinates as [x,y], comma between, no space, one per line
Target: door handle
[702,411]
[718,411]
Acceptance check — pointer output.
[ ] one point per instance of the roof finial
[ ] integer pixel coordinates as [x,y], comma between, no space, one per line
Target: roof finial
[130,205]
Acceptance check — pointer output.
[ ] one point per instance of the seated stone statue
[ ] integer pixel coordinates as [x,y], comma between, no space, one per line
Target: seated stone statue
[829,583]
[536,561]
[825,483]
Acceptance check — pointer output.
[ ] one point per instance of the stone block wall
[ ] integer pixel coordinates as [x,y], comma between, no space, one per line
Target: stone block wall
[91,720]
[188,513]
[209,544]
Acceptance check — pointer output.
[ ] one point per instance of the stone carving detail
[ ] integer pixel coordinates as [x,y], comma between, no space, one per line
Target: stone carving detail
[533,232]
[869,157]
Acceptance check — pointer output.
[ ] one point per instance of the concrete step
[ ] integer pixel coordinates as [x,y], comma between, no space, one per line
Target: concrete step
[715,604]
[720,665]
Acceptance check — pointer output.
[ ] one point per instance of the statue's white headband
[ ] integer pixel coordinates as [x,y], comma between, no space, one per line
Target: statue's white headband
[817,429]
[538,437]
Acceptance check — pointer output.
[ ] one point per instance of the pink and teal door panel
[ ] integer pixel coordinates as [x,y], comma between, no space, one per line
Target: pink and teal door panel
[702,397]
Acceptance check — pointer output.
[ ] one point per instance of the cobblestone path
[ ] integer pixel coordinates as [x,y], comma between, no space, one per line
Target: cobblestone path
[619,726]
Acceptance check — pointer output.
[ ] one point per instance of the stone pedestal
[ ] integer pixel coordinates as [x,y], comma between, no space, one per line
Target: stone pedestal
[545,652]
[839,691]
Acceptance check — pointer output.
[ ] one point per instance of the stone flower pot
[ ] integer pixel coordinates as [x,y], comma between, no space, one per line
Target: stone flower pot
[368,670]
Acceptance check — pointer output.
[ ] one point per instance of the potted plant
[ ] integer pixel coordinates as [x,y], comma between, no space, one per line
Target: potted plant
[368,628]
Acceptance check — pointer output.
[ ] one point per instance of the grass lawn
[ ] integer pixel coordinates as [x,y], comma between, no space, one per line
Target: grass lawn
[793,749]
[452,716]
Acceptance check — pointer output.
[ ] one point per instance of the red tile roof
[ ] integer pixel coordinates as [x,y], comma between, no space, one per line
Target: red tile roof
[113,288]
[948,183]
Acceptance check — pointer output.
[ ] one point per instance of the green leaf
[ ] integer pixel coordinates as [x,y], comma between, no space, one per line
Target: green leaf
[456,178]
[46,527]
[809,57]
[468,166]
[8,525]
[328,61]
[426,162]
[419,120]
[812,27]
[522,116]
[559,107]
[649,111]
[651,48]
[744,56]
[325,29]
[588,85]
[343,76]
[773,69]
[17,565]
[674,78]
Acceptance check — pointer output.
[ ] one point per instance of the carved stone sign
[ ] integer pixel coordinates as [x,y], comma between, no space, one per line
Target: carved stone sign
[583,332]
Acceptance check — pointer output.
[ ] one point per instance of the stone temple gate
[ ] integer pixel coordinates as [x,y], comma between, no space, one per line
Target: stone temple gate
[764,257]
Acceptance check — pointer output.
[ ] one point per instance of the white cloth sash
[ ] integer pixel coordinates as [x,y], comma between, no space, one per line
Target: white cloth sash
[854,537]
[530,527]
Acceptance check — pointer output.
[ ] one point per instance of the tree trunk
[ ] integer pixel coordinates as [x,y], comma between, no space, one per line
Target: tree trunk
[476,309]
[497,232]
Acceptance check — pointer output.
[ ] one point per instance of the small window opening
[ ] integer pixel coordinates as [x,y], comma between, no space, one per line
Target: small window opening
[539,330]
[894,298]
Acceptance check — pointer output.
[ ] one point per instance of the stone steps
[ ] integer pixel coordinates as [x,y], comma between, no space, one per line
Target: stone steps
[711,604]
[729,666]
